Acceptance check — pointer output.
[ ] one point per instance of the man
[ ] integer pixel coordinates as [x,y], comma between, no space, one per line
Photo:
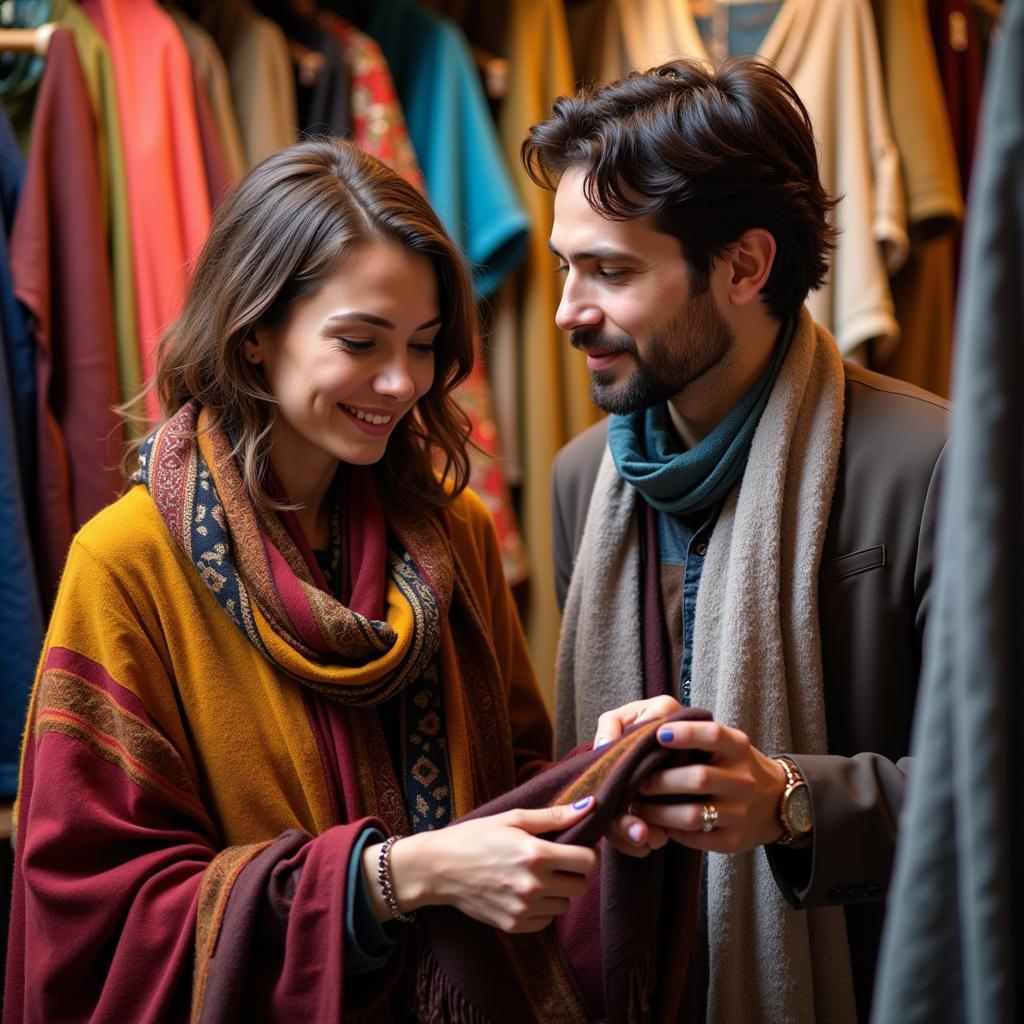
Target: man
[751,531]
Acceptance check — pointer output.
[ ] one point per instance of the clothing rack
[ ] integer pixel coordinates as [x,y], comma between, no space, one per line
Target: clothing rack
[27,40]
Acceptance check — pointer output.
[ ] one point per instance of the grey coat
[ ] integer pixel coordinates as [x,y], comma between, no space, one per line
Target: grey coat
[875,577]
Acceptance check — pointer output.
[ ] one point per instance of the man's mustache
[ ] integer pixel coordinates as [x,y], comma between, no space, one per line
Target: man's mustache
[586,340]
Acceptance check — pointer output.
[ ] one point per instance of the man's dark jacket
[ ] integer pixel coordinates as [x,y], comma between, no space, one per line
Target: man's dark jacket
[876,571]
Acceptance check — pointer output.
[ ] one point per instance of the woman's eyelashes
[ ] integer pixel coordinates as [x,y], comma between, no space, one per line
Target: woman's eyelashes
[362,345]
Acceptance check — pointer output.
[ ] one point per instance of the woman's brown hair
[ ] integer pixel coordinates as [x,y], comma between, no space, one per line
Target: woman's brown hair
[273,242]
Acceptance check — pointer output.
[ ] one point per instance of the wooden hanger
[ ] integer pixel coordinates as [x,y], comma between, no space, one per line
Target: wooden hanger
[27,40]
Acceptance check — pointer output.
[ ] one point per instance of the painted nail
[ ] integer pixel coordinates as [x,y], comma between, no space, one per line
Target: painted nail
[584,801]
[601,741]
[666,735]
[635,833]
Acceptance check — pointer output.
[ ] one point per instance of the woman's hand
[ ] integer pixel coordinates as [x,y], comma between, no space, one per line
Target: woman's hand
[494,869]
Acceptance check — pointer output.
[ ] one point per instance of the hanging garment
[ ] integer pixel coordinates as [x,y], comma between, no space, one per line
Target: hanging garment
[262,82]
[923,289]
[828,51]
[321,72]
[94,57]
[170,216]
[954,937]
[924,292]
[541,387]
[959,49]
[215,162]
[21,617]
[378,124]
[552,381]
[454,138]
[212,73]
[61,274]
[19,346]
[21,620]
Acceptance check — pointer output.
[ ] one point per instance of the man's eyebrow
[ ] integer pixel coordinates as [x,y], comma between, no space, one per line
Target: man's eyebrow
[378,321]
[599,252]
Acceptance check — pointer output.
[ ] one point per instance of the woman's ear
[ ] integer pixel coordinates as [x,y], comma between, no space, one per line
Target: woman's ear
[750,264]
[254,347]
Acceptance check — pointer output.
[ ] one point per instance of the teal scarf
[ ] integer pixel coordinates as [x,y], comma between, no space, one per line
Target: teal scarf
[646,449]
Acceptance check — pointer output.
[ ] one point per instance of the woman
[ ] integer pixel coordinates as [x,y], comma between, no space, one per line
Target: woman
[287,641]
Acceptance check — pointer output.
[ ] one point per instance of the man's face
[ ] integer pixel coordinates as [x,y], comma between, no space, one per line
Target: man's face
[628,304]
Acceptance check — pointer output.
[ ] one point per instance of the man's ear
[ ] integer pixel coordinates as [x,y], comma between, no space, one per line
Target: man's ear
[254,348]
[750,262]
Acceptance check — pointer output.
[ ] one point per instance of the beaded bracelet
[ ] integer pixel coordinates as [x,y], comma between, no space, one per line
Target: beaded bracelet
[384,879]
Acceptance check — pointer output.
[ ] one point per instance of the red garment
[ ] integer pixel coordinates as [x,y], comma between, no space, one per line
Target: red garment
[960,63]
[60,265]
[378,124]
[169,207]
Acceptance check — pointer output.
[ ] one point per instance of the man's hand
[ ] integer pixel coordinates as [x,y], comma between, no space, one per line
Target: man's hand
[629,834]
[742,784]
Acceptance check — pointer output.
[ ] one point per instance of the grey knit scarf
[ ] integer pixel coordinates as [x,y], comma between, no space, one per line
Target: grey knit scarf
[756,667]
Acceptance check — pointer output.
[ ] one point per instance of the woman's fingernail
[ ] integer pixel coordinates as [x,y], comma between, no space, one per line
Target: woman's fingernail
[584,801]
[601,741]
[666,735]
[635,833]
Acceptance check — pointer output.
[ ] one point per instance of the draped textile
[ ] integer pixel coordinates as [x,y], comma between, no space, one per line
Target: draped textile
[60,266]
[958,957]
[621,953]
[99,76]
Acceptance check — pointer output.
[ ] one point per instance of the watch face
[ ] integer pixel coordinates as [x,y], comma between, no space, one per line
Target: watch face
[797,811]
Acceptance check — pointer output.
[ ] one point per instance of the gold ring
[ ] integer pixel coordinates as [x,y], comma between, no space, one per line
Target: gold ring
[709,818]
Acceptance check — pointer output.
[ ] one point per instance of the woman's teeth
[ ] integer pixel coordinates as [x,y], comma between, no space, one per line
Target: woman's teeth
[369,417]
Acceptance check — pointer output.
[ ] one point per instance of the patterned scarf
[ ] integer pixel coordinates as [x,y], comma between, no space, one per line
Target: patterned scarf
[408,606]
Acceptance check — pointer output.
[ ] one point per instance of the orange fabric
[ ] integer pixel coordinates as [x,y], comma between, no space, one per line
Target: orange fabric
[168,205]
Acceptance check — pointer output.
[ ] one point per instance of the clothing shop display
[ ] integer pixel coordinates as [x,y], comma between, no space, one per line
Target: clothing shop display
[923,289]
[213,74]
[262,82]
[551,385]
[958,958]
[94,56]
[454,137]
[61,276]
[378,125]
[21,615]
[169,216]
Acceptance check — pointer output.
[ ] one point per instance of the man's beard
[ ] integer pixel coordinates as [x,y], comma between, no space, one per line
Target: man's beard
[677,353]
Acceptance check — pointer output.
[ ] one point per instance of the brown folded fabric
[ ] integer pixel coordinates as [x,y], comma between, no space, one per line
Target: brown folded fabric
[621,952]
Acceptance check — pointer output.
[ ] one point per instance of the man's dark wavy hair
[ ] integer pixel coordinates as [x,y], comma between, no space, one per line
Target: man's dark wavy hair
[708,153]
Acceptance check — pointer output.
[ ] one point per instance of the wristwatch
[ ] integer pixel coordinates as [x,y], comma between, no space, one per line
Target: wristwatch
[795,805]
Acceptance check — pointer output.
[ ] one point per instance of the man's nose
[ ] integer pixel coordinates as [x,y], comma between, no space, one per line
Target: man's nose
[576,308]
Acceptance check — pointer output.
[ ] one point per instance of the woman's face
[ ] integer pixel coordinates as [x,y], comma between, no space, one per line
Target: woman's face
[352,359]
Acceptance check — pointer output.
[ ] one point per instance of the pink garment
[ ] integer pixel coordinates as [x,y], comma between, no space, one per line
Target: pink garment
[168,201]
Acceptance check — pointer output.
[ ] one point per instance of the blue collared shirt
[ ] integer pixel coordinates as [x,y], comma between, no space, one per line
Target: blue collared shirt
[682,548]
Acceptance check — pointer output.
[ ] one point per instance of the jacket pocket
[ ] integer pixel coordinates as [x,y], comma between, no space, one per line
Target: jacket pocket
[854,563]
